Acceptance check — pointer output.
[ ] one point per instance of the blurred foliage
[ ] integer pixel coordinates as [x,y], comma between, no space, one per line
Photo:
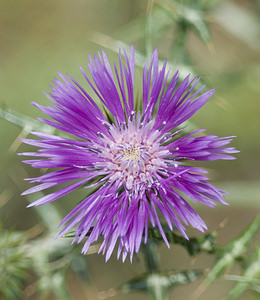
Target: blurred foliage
[159,283]
[13,264]
[43,255]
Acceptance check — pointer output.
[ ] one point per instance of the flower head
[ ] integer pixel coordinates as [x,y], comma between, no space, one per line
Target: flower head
[135,156]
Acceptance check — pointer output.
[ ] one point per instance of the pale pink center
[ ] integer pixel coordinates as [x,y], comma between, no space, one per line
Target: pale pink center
[133,155]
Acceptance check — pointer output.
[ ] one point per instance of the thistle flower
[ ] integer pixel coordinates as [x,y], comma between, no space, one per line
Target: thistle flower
[133,157]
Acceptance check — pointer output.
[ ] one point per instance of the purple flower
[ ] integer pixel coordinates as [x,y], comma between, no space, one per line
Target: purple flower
[132,153]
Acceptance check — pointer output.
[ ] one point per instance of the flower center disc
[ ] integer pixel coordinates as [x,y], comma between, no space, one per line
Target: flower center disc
[132,153]
[133,156]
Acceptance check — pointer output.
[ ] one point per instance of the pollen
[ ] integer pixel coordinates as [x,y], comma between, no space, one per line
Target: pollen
[132,153]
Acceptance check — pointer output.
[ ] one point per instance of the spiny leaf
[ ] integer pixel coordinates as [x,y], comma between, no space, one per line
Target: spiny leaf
[232,252]
[248,278]
[162,280]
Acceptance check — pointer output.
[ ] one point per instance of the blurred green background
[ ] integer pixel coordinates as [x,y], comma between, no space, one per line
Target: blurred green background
[39,38]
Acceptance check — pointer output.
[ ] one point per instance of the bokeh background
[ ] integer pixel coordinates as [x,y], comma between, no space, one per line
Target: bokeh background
[39,38]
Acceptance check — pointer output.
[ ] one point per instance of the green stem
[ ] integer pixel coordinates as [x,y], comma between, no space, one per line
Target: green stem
[157,285]
[151,256]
